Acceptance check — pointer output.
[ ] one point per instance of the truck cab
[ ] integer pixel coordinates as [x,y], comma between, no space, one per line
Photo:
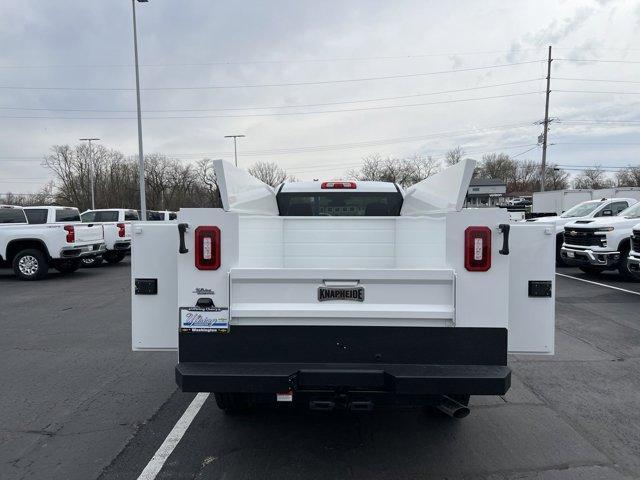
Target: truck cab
[598,244]
[605,207]
[343,294]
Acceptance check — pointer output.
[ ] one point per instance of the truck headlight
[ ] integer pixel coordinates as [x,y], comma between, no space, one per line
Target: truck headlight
[604,229]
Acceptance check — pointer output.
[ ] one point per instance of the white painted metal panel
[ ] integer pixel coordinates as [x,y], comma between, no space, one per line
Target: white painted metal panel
[243,193]
[392,297]
[154,318]
[261,241]
[531,319]
[481,297]
[442,192]
[420,242]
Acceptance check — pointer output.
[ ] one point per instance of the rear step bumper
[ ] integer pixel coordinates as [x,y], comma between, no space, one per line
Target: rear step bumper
[398,379]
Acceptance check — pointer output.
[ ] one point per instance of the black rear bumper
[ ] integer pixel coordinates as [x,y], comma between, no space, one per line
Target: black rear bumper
[392,379]
[386,360]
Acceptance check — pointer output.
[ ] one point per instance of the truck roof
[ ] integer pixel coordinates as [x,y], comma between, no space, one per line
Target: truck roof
[327,187]
[55,207]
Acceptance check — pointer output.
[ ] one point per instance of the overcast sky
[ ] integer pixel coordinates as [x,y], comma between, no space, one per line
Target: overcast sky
[268,69]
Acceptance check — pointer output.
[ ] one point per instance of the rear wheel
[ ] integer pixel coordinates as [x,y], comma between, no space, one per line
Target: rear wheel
[114,257]
[30,264]
[234,402]
[91,261]
[68,265]
[592,270]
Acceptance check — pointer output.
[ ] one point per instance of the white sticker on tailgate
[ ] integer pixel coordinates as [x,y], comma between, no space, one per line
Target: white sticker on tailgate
[204,320]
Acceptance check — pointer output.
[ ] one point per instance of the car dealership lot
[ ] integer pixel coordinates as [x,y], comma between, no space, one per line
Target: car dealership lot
[77,403]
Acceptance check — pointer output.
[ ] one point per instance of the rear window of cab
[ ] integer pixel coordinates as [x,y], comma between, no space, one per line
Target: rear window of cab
[339,204]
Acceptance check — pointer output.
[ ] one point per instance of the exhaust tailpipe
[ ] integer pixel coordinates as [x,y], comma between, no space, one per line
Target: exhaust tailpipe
[452,408]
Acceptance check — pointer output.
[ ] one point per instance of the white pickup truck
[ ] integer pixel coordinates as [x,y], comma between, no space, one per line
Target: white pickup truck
[30,249]
[117,232]
[343,294]
[633,263]
[599,244]
[605,207]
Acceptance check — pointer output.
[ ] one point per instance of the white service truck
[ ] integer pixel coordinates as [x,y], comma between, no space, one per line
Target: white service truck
[598,244]
[31,249]
[605,207]
[117,233]
[343,294]
[633,263]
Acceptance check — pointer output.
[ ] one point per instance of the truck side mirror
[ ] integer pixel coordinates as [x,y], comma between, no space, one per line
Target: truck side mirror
[607,213]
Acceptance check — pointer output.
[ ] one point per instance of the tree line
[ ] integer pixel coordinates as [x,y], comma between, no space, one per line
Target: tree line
[172,184]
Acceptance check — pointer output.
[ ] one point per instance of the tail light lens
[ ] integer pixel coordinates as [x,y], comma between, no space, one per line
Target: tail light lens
[71,233]
[207,248]
[120,229]
[477,249]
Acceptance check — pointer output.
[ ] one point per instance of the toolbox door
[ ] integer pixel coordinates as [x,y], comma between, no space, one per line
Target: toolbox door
[531,288]
[154,286]
[241,192]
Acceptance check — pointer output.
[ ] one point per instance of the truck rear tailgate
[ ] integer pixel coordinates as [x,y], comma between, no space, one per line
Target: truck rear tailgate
[291,296]
[88,233]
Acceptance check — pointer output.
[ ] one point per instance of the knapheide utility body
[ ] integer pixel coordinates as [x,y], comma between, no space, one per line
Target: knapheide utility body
[343,294]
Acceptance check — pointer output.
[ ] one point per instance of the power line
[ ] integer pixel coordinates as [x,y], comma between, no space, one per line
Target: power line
[595,60]
[289,84]
[278,61]
[277,106]
[597,91]
[601,80]
[318,112]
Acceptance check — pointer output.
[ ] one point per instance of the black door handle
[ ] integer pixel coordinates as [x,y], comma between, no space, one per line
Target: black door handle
[182,228]
[505,228]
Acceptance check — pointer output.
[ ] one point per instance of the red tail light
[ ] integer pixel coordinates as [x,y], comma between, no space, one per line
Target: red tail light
[71,233]
[120,229]
[207,248]
[338,185]
[477,249]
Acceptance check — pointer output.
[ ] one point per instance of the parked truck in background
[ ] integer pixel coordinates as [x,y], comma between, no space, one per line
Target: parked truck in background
[605,207]
[117,232]
[30,249]
[343,294]
[555,202]
[633,262]
[599,244]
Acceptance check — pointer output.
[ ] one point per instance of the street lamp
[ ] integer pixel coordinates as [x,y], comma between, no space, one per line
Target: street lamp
[92,173]
[143,200]
[235,146]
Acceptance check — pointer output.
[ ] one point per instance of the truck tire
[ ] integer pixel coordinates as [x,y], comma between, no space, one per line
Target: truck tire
[68,265]
[114,256]
[623,266]
[91,261]
[30,264]
[592,270]
[234,402]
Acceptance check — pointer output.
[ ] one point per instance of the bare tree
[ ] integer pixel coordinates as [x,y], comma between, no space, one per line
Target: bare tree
[404,172]
[454,156]
[628,177]
[593,178]
[268,172]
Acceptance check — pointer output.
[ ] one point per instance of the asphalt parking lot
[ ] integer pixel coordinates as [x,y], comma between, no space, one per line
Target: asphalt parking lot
[76,403]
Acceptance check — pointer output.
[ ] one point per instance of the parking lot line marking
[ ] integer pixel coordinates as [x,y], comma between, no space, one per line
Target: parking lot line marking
[597,283]
[175,435]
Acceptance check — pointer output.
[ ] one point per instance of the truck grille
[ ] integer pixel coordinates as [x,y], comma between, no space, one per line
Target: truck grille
[635,241]
[585,237]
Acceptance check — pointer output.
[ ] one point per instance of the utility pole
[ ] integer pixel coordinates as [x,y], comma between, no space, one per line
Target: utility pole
[143,197]
[92,173]
[235,146]
[543,168]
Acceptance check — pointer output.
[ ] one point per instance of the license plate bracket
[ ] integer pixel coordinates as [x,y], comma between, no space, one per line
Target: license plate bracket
[204,320]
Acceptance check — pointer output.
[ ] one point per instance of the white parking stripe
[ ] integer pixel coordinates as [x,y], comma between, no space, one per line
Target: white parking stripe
[597,283]
[175,435]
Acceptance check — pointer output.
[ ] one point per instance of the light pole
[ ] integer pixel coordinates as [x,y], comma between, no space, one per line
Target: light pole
[143,199]
[92,173]
[235,146]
